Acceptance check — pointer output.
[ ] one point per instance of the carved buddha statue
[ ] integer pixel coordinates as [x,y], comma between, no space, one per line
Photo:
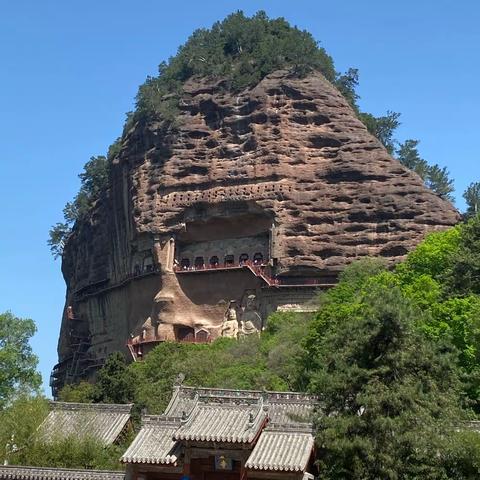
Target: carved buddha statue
[230,324]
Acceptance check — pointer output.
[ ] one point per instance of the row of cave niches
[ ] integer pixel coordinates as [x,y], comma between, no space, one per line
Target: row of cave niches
[233,193]
[227,261]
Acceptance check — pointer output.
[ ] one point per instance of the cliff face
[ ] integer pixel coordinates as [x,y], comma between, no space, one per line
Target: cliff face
[283,171]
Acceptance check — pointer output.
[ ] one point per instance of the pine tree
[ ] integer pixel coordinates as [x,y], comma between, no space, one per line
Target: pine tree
[472,197]
[388,395]
[407,154]
[439,181]
[435,177]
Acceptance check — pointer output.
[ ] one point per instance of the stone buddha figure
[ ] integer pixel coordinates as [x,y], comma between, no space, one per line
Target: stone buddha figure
[230,324]
[251,322]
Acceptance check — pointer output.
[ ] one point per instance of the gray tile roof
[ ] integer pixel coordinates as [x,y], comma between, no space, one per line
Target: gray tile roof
[40,473]
[230,416]
[104,422]
[283,407]
[281,448]
[231,420]
[290,411]
[154,443]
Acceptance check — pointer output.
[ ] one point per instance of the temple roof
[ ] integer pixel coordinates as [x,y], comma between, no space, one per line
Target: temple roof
[154,443]
[103,422]
[41,473]
[225,419]
[282,449]
[283,407]
[275,424]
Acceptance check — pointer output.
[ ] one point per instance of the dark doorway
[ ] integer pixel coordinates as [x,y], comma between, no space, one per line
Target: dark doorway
[258,258]
[229,260]
[185,334]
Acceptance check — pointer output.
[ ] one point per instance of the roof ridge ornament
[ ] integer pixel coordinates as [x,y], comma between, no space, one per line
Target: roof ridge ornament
[179,380]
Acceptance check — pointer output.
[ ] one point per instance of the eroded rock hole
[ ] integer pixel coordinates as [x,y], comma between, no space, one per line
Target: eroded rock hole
[319,141]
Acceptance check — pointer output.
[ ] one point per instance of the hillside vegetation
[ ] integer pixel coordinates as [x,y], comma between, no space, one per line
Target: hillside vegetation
[393,355]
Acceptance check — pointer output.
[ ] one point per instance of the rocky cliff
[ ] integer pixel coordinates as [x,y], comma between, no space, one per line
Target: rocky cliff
[283,172]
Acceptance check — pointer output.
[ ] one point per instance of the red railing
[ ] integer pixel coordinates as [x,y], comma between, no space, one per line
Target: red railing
[257,269]
[141,340]
[217,266]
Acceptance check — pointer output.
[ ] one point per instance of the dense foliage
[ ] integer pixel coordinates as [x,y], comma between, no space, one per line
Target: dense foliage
[393,356]
[22,446]
[17,361]
[240,51]
[114,384]
[388,393]
[269,362]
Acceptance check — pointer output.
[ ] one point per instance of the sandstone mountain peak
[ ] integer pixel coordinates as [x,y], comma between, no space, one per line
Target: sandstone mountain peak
[252,202]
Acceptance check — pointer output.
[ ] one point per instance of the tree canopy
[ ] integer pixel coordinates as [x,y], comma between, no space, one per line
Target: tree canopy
[18,363]
[472,197]
[269,362]
[387,392]
[435,177]
[241,50]
[21,445]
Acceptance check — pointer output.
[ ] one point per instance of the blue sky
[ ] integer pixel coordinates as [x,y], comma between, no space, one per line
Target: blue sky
[70,71]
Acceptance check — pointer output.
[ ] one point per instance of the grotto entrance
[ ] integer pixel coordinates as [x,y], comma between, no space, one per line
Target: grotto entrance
[224,236]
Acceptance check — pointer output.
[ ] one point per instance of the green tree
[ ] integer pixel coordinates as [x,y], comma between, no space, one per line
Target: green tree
[407,154]
[461,455]
[21,445]
[347,83]
[389,395]
[17,362]
[58,237]
[94,178]
[19,421]
[82,392]
[463,276]
[241,50]
[432,257]
[438,179]
[71,452]
[115,383]
[382,127]
[282,344]
[225,363]
[472,197]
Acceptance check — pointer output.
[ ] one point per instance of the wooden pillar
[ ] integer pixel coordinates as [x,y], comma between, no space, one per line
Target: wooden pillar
[186,462]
